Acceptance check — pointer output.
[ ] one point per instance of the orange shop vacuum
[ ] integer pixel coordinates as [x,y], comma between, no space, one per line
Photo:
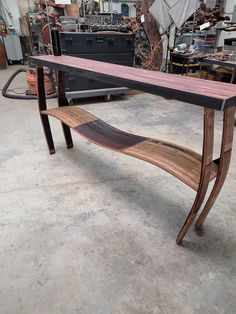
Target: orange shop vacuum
[31,79]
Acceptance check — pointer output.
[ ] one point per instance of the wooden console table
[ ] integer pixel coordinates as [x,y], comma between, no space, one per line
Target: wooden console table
[191,168]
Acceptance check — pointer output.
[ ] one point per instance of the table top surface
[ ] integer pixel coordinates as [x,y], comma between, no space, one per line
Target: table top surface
[211,94]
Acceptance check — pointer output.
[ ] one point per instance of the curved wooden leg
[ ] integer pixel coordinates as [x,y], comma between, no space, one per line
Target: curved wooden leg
[208,141]
[224,161]
[62,101]
[43,106]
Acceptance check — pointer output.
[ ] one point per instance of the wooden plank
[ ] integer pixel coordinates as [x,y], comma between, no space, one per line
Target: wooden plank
[224,162]
[183,163]
[215,95]
[62,101]
[206,172]
[43,106]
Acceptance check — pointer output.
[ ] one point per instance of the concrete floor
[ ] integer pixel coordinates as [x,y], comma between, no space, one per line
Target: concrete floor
[90,231]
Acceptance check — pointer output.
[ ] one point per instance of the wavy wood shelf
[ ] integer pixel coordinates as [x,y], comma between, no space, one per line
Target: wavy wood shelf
[183,163]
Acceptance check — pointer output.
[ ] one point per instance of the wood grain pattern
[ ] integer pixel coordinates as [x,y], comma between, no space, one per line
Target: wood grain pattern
[180,162]
[215,95]
[224,161]
[207,153]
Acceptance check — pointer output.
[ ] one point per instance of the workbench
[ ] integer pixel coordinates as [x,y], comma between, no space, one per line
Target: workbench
[181,63]
[229,64]
[193,169]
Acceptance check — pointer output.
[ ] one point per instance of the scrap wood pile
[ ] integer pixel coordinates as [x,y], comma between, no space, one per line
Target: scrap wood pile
[132,24]
[230,28]
[205,14]
[214,17]
[150,59]
[220,56]
[149,50]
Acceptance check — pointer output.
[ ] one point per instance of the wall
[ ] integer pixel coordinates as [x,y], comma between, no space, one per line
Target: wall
[229,6]
[116,7]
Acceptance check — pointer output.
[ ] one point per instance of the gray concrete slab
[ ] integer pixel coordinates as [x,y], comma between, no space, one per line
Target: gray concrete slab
[90,231]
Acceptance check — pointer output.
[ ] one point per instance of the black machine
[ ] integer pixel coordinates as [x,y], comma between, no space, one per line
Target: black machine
[108,47]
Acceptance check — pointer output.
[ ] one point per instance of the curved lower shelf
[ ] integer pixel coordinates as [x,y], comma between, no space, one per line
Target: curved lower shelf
[181,162]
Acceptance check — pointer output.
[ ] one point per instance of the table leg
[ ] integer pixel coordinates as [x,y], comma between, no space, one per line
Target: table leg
[224,161]
[43,106]
[62,101]
[233,76]
[208,141]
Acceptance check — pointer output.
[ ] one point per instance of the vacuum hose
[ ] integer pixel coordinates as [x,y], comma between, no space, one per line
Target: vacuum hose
[7,95]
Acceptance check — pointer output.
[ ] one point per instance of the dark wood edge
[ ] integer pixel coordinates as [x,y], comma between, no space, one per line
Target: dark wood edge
[62,101]
[42,105]
[168,93]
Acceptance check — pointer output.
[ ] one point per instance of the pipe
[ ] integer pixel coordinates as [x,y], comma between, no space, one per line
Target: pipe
[7,95]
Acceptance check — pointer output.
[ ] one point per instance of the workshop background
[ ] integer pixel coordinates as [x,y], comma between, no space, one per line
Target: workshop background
[88,230]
